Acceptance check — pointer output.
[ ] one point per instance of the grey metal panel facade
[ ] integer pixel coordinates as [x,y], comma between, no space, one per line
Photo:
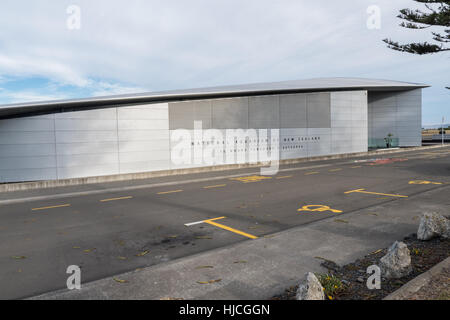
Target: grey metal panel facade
[203,113]
[137,138]
[318,111]
[397,113]
[230,113]
[181,115]
[349,122]
[85,143]
[293,112]
[264,112]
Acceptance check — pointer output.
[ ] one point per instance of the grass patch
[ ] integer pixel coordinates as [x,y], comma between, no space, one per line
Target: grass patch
[331,284]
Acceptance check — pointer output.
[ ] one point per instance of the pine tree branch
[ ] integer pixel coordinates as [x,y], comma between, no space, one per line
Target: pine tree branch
[438,15]
[415,48]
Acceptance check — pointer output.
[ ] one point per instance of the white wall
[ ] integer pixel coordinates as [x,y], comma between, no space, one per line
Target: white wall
[86,143]
[349,121]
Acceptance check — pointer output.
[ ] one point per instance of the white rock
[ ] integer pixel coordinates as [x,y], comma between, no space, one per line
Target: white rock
[310,288]
[397,262]
[433,225]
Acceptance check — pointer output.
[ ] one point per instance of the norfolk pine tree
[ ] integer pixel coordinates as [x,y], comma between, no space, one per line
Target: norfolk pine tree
[438,15]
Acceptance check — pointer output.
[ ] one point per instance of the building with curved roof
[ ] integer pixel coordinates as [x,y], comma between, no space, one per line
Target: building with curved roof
[148,132]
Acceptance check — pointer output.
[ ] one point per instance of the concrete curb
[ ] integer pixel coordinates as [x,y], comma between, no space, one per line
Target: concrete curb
[419,282]
[12,187]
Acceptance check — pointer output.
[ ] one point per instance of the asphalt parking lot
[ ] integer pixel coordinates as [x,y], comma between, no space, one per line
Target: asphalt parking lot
[110,233]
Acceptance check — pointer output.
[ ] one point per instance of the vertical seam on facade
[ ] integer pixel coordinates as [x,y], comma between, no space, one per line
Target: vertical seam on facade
[170,137]
[118,142]
[56,149]
[307,126]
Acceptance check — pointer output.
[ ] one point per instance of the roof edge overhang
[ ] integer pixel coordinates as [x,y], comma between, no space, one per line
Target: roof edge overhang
[58,106]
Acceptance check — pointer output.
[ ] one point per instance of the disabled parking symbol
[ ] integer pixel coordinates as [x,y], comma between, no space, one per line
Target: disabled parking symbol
[424,182]
[318,208]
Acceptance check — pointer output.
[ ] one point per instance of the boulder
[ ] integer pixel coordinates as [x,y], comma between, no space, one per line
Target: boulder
[310,288]
[433,225]
[397,262]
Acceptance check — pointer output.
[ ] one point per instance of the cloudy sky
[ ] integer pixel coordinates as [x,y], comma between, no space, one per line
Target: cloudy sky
[147,45]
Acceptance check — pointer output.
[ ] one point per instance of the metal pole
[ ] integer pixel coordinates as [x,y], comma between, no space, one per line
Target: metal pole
[443,119]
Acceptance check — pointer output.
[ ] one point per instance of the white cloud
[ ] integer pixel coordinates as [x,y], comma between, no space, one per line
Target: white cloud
[157,45]
[109,89]
[19,96]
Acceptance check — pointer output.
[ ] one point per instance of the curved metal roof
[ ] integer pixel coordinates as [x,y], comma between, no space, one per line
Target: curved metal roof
[295,86]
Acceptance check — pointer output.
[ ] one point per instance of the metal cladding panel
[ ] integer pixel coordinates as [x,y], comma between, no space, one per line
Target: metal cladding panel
[27,125]
[85,125]
[27,137]
[85,136]
[11,163]
[83,171]
[139,124]
[181,115]
[147,145]
[68,149]
[87,160]
[144,112]
[398,113]
[203,113]
[230,113]
[319,110]
[264,112]
[22,175]
[142,135]
[142,156]
[319,142]
[144,166]
[97,114]
[349,127]
[83,144]
[293,111]
[27,150]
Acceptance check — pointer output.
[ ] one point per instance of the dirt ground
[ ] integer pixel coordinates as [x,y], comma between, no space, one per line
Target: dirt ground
[437,289]
[353,276]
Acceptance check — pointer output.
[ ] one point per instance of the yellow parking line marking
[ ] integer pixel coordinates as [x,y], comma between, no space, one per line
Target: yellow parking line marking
[52,207]
[335,170]
[356,167]
[116,199]
[218,186]
[168,192]
[425,182]
[376,193]
[286,177]
[203,221]
[220,218]
[230,229]
[251,179]
[310,173]
[318,208]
